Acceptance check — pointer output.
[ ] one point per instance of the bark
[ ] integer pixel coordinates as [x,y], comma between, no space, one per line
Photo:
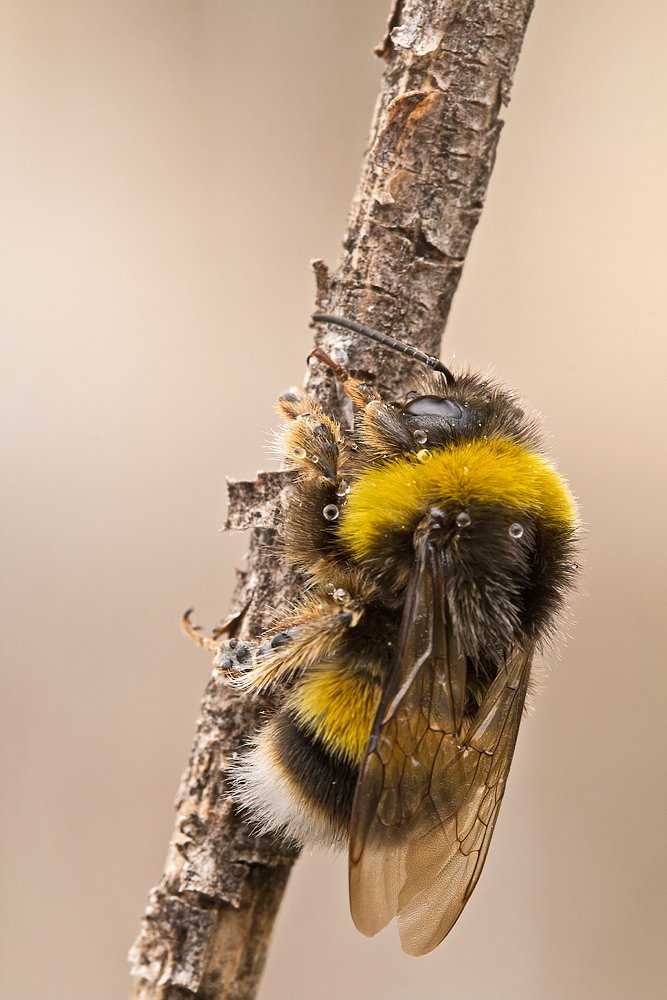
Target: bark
[449,68]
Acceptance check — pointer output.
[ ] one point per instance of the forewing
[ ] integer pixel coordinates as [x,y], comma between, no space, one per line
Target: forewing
[428,794]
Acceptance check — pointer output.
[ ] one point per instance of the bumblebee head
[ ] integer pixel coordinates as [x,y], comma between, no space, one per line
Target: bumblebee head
[436,415]
[440,418]
[442,407]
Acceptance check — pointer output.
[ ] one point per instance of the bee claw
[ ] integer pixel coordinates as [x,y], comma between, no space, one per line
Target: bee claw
[194,632]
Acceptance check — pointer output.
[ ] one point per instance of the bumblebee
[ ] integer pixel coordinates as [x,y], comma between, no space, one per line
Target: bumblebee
[438,542]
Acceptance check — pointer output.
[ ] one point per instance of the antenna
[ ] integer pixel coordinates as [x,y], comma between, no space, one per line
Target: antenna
[381,338]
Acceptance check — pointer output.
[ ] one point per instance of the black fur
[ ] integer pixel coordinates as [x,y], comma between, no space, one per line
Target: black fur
[326,779]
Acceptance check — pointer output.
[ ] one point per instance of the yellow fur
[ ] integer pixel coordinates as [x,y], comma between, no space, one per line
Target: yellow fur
[494,471]
[337,705]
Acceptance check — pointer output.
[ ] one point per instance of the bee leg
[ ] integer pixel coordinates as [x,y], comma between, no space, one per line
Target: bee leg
[313,633]
[386,432]
[212,642]
[311,441]
[195,633]
[235,658]
[360,392]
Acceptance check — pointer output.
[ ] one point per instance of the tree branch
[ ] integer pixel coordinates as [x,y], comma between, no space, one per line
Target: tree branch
[449,68]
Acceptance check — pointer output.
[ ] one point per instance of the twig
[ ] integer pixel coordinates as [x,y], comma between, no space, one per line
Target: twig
[449,68]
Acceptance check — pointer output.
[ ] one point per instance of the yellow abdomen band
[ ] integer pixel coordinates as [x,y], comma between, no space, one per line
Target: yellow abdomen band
[337,704]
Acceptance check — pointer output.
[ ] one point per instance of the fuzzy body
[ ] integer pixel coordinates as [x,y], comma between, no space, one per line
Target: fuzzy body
[468,457]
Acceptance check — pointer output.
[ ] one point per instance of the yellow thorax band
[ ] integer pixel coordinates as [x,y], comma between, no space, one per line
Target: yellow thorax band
[394,496]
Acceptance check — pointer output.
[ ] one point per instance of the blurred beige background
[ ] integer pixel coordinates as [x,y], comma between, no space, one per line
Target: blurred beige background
[143,255]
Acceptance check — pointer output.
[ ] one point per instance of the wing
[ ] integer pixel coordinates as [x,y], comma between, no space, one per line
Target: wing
[428,793]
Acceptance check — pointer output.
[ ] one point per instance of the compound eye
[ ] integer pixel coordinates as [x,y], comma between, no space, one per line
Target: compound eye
[434,406]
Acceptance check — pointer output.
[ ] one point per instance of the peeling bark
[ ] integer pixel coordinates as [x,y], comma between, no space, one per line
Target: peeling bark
[449,69]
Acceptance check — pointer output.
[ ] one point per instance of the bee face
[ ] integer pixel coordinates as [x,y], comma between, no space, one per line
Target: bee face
[437,539]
